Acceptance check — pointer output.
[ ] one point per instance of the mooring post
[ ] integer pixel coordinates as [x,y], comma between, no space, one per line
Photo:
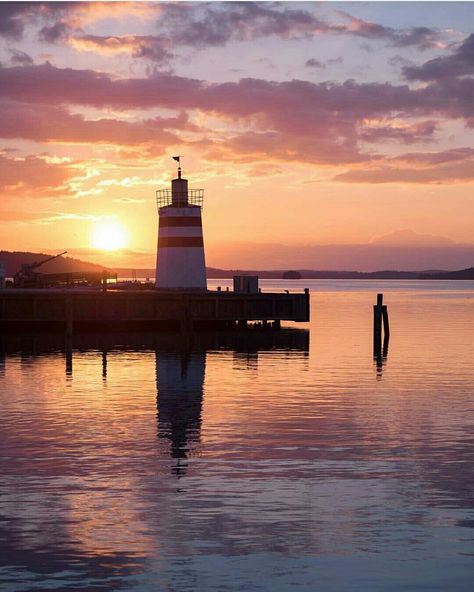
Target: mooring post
[104,281]
[306,291]
[386,325]
[378,324]
[381,316]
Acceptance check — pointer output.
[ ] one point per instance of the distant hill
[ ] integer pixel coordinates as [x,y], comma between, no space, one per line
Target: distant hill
[463,274]
[14,260]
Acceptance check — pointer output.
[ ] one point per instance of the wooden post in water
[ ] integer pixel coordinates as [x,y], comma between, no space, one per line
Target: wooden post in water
[380,317]
[378,324]
[386,325]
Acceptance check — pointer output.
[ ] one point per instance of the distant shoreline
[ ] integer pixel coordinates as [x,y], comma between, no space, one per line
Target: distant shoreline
[12,262]
[308,274]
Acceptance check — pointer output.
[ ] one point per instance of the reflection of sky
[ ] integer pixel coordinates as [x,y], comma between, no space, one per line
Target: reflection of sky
[299,466]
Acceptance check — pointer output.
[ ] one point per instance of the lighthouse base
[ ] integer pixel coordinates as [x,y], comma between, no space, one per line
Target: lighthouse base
[181,268]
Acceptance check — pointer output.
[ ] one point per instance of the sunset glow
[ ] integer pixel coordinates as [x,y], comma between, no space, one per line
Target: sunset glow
[109,236]
[316,129]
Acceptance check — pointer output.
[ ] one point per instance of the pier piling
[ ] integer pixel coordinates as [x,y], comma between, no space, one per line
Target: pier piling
[380,319]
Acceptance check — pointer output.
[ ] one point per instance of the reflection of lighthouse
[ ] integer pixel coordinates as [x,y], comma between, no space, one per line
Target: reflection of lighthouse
[179,381]
[180,261]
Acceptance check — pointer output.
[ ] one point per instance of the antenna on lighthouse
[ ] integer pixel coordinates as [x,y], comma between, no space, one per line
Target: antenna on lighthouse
[178,160]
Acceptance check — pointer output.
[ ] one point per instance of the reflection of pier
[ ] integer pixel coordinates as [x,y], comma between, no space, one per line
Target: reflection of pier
[180,363]
[246,341]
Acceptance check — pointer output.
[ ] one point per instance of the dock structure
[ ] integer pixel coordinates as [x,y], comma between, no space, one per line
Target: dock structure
[71,309]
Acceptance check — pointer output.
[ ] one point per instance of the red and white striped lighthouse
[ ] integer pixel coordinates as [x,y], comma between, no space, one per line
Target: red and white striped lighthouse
[180,261]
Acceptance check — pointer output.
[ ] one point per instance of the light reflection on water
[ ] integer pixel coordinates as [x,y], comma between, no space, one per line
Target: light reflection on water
[258,461]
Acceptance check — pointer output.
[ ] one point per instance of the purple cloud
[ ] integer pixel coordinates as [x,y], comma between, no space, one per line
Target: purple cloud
[20,58]
[408,134]
[295,119]
[458,63]
[48,123]
[314,63]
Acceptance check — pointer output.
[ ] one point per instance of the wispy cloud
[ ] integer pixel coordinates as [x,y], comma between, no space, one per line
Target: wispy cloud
[450,166]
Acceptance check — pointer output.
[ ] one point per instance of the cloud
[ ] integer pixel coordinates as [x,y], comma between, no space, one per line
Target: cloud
[20,58]
[59,19]
[396,131]
[450,166]
[197,25]
[12,18]
[421,37]
[47,123]
[33,174]
[214,24]
[314,63]
[58,32]
[458,63]
[50,85]
[151,47]
[210,25]
[296,119]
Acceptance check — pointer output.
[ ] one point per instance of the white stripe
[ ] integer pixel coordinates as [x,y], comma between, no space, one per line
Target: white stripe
[181,231]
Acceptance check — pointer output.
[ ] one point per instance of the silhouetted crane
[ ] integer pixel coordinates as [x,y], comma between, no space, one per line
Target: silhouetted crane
[28,277]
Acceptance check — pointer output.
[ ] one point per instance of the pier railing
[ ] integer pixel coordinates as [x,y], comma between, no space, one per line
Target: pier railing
[193,197]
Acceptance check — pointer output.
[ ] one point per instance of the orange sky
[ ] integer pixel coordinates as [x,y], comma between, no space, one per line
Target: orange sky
[306,124]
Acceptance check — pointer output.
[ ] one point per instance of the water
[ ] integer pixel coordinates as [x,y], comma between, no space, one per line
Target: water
[268,461]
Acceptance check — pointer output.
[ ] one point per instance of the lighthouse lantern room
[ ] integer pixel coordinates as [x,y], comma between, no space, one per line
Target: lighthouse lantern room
[180,262]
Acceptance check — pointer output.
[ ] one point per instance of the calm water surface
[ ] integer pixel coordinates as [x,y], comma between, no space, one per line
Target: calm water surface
[271,461]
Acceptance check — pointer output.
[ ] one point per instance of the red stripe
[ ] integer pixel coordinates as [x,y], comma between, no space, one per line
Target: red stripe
[180,241]
[180,221]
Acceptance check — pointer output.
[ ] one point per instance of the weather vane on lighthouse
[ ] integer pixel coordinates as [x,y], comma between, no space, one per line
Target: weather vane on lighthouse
[178,160]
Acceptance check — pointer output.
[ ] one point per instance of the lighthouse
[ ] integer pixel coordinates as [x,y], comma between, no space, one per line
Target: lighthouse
[180,261]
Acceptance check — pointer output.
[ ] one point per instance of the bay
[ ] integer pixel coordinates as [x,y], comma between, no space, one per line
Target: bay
[256,460]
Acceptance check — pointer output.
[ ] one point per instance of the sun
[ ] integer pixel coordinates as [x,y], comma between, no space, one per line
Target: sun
[109,236]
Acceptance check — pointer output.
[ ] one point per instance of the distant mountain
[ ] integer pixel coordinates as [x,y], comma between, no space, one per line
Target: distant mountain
[14,260]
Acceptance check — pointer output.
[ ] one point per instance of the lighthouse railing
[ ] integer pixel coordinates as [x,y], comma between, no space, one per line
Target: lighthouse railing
[193,197]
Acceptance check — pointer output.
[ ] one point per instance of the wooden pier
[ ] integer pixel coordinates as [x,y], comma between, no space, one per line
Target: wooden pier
[77,308]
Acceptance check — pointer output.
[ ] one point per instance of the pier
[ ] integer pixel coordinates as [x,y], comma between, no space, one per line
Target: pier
[70,309]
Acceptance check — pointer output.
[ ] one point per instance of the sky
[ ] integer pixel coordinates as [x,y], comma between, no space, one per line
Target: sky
[326,135]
